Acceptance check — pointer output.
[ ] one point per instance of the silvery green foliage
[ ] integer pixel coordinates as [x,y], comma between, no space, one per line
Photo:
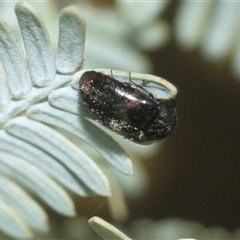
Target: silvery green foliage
[106,230]
[39,108]
[211,26]
[125,30]
[37,97]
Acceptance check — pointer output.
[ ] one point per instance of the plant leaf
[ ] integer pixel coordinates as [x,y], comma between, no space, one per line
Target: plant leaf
[14,63]
[106,230]
[27,209]
[11,224]
[85,130]
[48,164]
[36,181]
[40,56]
[58,146]
[71,40]
[4,93]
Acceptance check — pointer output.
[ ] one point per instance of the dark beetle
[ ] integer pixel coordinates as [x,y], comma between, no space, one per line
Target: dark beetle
[126,108]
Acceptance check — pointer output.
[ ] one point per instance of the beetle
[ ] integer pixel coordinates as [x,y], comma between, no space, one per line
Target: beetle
[127,108]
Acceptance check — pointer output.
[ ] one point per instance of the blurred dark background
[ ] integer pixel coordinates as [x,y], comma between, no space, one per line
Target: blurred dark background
[196,174]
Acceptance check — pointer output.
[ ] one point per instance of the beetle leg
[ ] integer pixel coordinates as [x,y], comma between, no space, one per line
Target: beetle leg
[134,85]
